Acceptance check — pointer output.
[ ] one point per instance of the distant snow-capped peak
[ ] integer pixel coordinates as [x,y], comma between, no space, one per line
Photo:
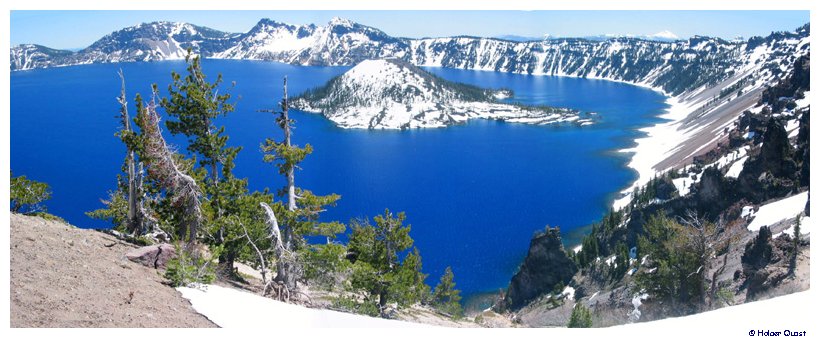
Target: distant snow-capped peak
[665,34]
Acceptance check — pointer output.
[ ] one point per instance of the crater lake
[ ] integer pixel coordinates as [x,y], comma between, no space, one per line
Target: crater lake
[474,194]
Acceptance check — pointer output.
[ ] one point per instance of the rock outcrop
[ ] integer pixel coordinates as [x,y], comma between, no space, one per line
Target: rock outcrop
[765,262]
[771,171]
[152,256]
[545,266]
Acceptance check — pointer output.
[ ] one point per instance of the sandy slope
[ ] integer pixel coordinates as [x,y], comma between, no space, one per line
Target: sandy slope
[66,277]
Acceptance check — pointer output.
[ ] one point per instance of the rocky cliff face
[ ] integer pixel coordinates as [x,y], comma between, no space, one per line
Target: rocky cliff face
[674,66]
[545,266]
[153,41]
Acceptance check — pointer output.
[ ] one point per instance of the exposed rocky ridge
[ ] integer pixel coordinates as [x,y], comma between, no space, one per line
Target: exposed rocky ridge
[765,161]
[393,94]
[545,266]
[675,67]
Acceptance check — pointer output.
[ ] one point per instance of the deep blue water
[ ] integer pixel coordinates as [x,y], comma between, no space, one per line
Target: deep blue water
[474,194]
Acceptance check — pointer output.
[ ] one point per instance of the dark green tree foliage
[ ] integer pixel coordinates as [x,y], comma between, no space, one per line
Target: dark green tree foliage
[591,248]
[621,261]
[171,178]
[27,195]
[580,317]
[240,214]
[446,297]
[676,270]
[408,285]
[193,106]
[658,188]
[325,264]
[300,218]
[803,148]
[795,247]
[115,210]
[125,207]
[194,103]
[377,274]
[188,268]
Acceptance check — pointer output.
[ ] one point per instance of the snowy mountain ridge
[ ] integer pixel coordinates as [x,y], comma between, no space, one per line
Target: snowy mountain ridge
[393,94]
[672,66]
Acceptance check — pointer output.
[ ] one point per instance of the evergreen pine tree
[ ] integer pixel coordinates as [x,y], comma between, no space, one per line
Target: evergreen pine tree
[446,297]
[377,272]
[27,195]
[301,216]
[125,207]
[193,106]
[408,285]
[621,260]
[795,247]
[580,317]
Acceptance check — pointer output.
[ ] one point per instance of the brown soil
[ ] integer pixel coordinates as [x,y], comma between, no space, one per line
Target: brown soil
[62,276]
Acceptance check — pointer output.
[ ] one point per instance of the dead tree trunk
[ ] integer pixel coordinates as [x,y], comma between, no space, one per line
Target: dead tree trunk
[182,188]
[286,128]
[134,216]
[285,270]
[285,260]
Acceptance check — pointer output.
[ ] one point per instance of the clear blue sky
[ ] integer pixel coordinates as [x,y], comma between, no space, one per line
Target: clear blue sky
[76,29]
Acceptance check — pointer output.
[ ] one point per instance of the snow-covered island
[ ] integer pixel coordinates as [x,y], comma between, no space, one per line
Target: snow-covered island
[394,94]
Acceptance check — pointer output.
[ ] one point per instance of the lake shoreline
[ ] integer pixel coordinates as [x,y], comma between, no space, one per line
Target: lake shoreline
[653,147]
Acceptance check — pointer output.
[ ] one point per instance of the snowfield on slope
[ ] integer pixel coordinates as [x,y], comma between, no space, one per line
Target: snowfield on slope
[791,312]
[231,308]
[781,210]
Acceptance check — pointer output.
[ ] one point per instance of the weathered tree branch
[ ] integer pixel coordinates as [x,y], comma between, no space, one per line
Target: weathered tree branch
[182,188]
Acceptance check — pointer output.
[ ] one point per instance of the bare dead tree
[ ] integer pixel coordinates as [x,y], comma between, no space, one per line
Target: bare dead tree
[182,188]
[285,124]
[284,270]
[136,213]
[263,266]
[706,240]
[286,261]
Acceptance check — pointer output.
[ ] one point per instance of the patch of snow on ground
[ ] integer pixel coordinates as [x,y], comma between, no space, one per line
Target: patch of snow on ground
[730,158]
[777,211]
[782,313]
[660,140]
[230,308]
[747,211]
[683,184]
[737,167]
[635,314]
[594,294]
[569,292]
[804,102]
[792,127]
[805,228]
[610,261]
